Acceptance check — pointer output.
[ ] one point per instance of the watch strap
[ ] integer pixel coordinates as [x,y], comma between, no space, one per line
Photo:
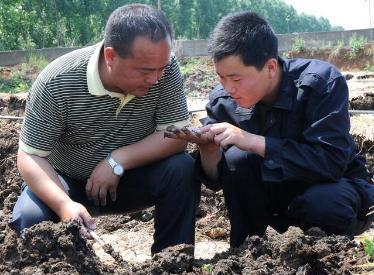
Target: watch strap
[111,161]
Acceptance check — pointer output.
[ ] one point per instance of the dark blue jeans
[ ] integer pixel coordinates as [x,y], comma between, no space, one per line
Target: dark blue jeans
[167,184]
[336,207]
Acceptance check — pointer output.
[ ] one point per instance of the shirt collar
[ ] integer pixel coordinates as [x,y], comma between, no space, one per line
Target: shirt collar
[285,92]
[95,86]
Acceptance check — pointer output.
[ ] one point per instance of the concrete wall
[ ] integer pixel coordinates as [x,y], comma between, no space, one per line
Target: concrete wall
[9,58]
[184,48]
[322,39]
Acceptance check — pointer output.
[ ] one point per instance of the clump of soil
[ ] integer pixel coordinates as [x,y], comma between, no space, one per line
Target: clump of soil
[50,248]
[9,176]
[12,105]
[365,102]
[366,148]
[172,260]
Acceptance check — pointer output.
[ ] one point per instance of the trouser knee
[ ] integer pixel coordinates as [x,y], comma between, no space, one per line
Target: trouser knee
[29,210]
[334,207]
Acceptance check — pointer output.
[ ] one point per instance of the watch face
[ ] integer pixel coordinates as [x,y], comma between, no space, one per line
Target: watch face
[118,170]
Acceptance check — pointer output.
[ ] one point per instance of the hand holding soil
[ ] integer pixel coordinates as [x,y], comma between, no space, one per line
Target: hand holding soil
[198,135]
[73,211]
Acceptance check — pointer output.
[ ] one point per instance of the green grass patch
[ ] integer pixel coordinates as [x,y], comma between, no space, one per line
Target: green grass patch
[22,76]
[369,247]
[189,64]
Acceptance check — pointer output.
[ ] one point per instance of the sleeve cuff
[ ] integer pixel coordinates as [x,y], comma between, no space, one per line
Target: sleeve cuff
[272,167]
[33,151]
[201,176]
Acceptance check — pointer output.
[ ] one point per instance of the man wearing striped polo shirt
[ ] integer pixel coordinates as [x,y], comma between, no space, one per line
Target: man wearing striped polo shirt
[94,127]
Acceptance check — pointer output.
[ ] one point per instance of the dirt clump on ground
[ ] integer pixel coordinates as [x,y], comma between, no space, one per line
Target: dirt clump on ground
[365,102]
[50,248]
[366,149]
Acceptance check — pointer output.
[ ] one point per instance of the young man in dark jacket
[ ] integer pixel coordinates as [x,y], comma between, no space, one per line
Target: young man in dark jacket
[277,137]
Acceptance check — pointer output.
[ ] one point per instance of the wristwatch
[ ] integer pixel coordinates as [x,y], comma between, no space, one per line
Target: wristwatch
[117,168]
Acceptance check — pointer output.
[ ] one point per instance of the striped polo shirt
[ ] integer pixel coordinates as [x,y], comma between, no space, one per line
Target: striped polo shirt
[73,121]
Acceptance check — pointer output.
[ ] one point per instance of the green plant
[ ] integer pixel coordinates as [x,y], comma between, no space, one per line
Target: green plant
[369,67]
[37,61]
[208,268]
[299,45]
[287,54]
[17,82]
[369,247]
[194,94]
[188,65]
[356,44]
[337,48]
[23,75]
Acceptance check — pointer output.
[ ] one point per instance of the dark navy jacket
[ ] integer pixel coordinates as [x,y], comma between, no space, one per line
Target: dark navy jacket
[307,128]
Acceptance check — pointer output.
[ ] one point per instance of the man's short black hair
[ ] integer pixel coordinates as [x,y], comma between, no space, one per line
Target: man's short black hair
[130,21]
[244,34]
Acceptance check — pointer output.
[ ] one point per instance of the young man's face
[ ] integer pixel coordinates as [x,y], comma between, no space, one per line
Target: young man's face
[245,84]
[137,73]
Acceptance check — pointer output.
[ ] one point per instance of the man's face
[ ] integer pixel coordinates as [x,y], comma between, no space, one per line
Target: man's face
[245,84]
[137,73]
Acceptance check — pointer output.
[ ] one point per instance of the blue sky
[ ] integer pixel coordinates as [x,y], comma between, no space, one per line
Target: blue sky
[350,14]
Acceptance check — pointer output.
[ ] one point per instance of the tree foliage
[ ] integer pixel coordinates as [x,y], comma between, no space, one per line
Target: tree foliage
[62,23]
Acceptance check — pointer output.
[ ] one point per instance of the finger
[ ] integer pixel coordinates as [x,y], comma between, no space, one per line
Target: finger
[113,193]
[87,220]
[102,195]
[218,128]
[171,135]
[89,188]
[225,140]
[95,193]
[186,131]
[204,139]
[194,130]
[83,231]
[171,128]
[209,137]
[218,139]
[168,135]
[205,129]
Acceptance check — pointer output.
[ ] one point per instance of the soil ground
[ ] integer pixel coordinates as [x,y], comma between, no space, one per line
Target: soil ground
[50,248]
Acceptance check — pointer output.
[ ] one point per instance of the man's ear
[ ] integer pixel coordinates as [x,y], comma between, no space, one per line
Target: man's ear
[271,67]
[109,55]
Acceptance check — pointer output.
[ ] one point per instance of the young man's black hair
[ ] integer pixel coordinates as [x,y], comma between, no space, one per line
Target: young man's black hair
[247,35]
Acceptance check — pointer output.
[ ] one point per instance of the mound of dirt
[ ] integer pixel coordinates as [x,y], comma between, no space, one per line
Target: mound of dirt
[12,105]
[366,148]
[49,248]
[293,252]
[365,102]
[346,59]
